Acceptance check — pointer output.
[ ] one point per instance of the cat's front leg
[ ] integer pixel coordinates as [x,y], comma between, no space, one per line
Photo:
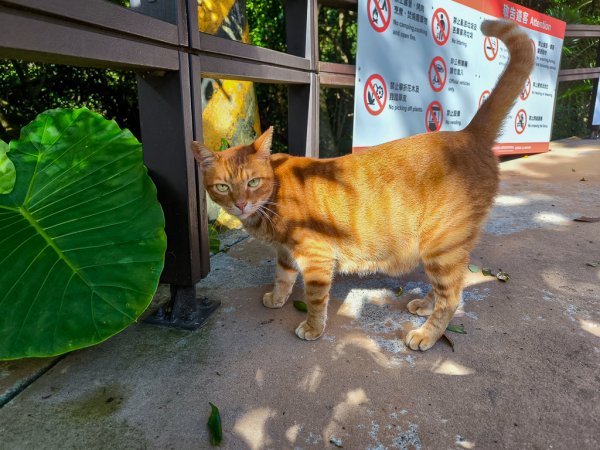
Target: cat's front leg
[316,265]
[285,278]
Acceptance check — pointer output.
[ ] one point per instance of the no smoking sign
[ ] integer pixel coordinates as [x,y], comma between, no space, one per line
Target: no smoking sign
[375,94]
[490,48]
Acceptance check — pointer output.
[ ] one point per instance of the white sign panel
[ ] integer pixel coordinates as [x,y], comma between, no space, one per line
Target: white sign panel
[424,66]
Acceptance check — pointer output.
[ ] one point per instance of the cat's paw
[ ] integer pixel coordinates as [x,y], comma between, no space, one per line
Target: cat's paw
[270,302]
[420,339]
[420,307]
[308,332]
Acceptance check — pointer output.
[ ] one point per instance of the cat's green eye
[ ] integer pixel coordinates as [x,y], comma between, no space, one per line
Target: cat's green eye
[254,182]
[222,187]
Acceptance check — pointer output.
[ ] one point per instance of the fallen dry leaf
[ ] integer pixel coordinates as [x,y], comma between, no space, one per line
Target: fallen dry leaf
[587,219]
[503,276]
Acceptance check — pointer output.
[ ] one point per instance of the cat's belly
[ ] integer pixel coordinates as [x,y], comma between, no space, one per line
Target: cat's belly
[391,264]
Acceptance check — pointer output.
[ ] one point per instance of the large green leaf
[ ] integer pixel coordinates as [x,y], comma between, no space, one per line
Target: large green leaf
[81,235]
[7,170]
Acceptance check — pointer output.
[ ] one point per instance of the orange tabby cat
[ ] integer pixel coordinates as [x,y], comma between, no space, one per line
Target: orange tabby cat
[424,198]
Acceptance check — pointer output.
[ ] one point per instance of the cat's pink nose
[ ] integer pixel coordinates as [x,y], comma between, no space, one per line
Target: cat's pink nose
[241,205]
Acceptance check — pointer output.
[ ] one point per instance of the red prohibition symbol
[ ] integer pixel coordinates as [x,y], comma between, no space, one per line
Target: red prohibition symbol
[438,74]
[434,117]
[520,121]
[526,89]
[490,48]
[440,26]
[379,14]
[375,94]
[484,97]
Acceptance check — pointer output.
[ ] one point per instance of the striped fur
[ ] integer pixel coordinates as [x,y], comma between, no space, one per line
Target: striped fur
[422,198]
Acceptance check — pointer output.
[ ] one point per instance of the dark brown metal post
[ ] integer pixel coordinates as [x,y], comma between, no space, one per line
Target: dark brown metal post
[171,117]
[303,100]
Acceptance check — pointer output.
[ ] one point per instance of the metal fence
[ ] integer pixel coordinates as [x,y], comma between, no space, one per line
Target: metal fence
[160,40]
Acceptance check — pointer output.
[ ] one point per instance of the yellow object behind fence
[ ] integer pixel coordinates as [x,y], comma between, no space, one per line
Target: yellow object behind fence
[229,108]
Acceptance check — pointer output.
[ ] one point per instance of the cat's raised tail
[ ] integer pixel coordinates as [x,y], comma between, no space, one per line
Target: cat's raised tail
[487,123]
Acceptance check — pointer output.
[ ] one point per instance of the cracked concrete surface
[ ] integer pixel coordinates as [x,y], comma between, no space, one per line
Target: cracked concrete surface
[525,376]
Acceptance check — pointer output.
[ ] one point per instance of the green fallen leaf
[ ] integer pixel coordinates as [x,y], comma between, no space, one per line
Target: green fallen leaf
[503,276]
[456,329]
[214,426]
[474,268]
[224,144]
[487,272]
[300,306]
[594,264]
[400,291]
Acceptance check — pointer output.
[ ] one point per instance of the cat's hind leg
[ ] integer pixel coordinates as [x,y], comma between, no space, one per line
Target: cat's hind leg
[285,278]
[447,277]
[422,306]
[317,265]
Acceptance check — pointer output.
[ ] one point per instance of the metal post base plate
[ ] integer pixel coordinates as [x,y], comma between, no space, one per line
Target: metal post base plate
[184,310]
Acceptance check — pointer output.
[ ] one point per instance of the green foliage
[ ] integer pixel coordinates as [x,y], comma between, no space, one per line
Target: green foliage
[338,31]
[82,237]
[213,239]
[573,98]
[224,144]
[571,115]
[27,88]
[7,170]
[266,22]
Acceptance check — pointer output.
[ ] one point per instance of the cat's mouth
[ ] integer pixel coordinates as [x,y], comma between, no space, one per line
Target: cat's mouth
[241,215]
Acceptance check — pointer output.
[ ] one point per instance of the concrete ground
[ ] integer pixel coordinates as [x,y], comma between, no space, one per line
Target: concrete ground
[526,374]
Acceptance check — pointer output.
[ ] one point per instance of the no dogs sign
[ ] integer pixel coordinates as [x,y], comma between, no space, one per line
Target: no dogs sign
[424,67]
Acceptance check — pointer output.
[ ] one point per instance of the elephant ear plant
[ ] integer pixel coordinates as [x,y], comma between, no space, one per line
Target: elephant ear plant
[82,239]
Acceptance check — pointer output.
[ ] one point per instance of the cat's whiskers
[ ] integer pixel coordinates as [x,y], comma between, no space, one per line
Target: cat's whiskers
[266,216]
[270,210]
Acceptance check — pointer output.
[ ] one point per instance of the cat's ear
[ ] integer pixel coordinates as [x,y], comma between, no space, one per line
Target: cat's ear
[263,144]
[205,157]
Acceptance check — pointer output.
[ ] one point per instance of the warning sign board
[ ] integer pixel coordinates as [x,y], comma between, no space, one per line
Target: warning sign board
[440,26]
[424,68]
[438,74]
[380,14]
[375,94]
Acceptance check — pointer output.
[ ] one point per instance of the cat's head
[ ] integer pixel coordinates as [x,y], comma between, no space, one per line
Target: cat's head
[239,179]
